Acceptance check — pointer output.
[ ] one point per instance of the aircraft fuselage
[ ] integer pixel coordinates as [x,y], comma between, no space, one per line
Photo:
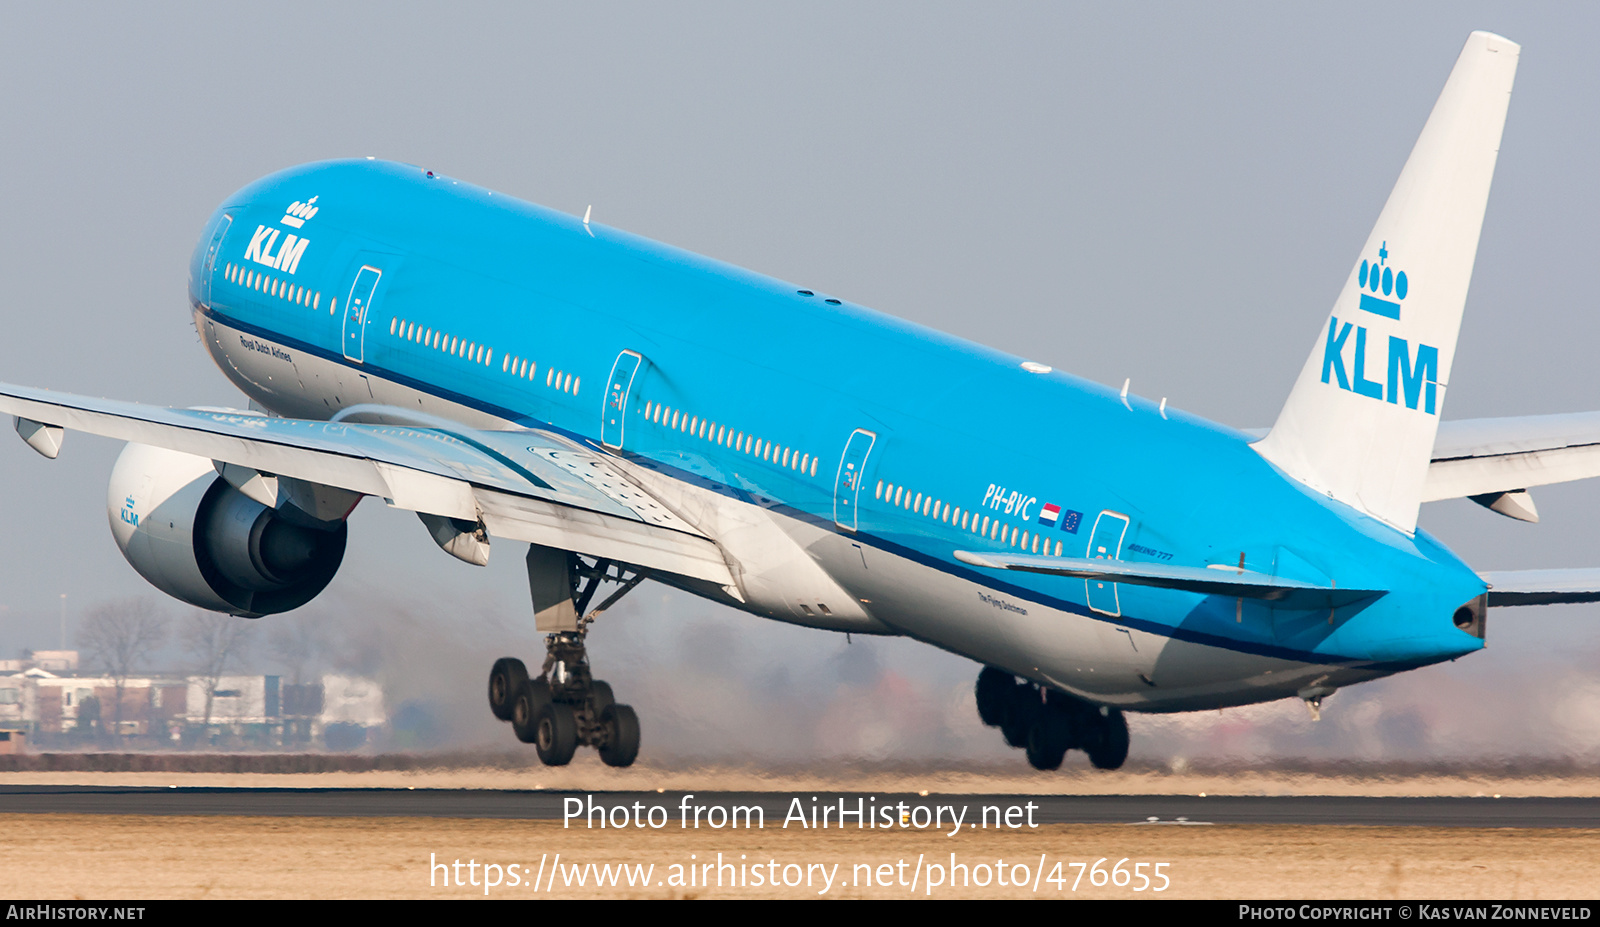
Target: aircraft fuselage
[838,456]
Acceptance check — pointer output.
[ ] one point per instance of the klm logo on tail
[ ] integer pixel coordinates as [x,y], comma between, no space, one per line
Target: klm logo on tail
[1411,377]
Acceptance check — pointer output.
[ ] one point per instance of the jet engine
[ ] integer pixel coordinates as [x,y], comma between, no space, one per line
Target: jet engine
[197,538]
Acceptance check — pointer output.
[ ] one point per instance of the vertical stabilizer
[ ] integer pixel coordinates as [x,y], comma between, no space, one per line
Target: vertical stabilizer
[1360,422]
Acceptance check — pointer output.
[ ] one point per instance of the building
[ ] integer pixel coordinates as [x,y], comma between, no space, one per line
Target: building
[58,707]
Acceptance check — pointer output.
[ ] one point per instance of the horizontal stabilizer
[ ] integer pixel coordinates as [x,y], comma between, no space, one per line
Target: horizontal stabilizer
[1542,587]
[1486,456]
[1228,581]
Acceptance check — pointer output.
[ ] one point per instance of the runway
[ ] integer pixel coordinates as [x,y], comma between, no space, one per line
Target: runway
[999,811]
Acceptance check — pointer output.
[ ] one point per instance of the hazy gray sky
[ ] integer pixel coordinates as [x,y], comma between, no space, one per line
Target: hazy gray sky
[1167,192]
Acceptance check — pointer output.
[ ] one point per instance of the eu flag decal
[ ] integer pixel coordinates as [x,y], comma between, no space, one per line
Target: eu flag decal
[1070,521]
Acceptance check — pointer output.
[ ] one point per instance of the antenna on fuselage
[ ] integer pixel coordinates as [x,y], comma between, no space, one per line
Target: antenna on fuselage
[586,211]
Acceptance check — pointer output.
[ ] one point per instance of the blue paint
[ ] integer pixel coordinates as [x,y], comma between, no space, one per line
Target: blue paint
[1383,307]
[751,355]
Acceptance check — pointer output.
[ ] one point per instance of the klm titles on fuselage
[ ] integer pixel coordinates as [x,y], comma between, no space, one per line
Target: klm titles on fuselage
[266,249]
[1409,377]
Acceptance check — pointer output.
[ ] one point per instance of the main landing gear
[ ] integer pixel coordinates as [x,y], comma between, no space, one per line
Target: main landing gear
[1046,723]
[565,707]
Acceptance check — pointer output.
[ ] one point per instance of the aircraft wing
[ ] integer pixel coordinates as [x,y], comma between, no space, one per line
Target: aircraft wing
[1226,581]
[1542,587]
[1486,456]
[522,485]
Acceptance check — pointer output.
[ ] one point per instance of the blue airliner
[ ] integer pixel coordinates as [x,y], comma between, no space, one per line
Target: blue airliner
[632,411]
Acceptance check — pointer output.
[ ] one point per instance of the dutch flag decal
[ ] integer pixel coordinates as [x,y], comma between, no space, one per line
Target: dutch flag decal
[1049,514]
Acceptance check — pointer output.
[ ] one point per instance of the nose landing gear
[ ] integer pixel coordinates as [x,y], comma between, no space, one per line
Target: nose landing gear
[1046,723]
[565,707]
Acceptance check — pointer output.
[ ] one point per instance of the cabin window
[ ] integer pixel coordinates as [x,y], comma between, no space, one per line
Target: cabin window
[1058,548]
[316,301]
[813,466]
[393,324]
[577,383]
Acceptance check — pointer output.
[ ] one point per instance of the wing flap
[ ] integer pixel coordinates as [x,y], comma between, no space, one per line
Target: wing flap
[1288,593]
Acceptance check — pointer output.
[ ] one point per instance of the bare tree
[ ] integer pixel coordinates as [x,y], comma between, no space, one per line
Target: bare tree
[119,637]
[298,642]
[214,642]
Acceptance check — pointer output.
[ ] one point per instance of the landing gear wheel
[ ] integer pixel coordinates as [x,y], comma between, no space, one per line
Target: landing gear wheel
[505,681]
[621,727]
[993,689]
[1022,707]
[1047,741]
[557,736]
[600,698]
[529,704]
[1109,746]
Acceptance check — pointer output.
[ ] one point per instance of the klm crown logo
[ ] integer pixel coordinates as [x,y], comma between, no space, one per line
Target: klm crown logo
[1379,277]
[298,213]
[1409,377]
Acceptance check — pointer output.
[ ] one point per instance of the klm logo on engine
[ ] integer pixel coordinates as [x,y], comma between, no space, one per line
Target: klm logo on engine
[1404,375]
[128,514]
[266,249]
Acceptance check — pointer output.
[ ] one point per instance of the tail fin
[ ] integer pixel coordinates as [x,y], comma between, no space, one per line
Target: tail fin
[1360,422]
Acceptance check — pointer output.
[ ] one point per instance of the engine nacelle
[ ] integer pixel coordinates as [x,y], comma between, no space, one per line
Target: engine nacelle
[196,538]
